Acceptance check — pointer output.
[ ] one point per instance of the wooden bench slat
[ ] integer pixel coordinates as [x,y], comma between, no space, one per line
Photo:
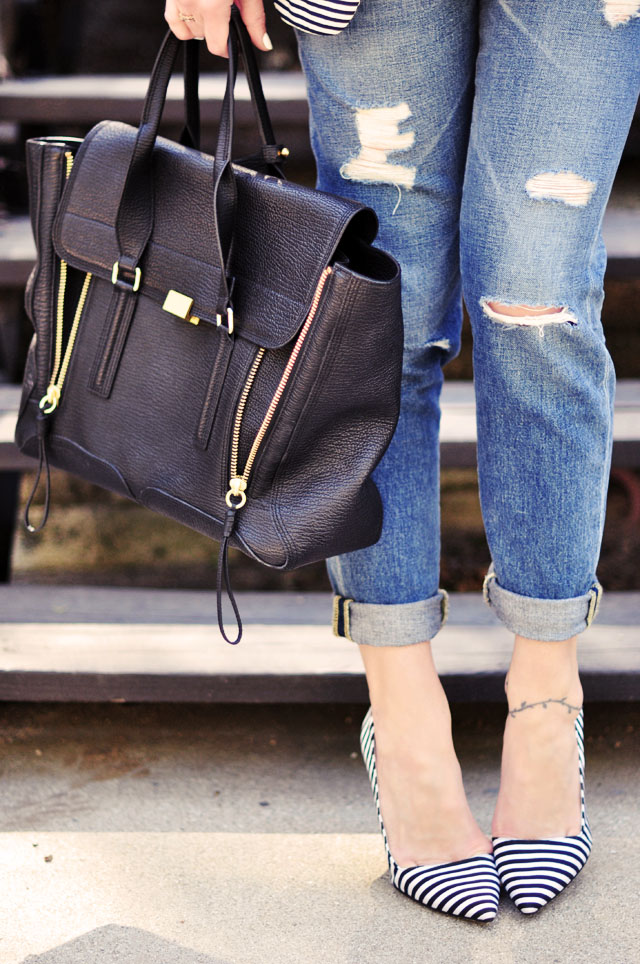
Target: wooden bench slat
[52,648]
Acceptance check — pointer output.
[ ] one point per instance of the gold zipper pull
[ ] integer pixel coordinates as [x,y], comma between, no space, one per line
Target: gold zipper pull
[51,399]
[237,489]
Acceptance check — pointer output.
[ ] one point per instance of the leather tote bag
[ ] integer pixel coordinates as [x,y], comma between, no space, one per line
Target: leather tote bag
[212,341]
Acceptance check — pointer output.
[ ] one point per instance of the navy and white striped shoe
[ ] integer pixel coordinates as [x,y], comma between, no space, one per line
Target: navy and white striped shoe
[533,872]
[465,888]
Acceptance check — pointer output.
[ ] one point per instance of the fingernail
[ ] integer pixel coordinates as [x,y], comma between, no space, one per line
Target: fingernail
[266,42]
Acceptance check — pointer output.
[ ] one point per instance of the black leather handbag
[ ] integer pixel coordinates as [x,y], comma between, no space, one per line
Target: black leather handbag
[211,340]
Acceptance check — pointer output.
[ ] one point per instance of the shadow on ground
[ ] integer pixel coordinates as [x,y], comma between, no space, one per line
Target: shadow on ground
[128,945]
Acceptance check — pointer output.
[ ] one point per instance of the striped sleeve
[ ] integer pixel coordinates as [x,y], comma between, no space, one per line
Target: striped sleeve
[317,16]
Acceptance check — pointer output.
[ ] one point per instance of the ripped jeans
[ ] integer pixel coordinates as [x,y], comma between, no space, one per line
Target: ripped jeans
[486,135]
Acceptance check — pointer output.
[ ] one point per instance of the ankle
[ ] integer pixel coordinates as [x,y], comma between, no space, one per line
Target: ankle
[404,688]
[541,670]
[413,733]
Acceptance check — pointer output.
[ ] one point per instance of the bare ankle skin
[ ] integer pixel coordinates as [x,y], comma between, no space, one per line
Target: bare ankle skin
[539,789]
[422,799]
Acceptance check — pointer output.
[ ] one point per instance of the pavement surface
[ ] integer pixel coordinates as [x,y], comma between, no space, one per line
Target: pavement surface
[243,834]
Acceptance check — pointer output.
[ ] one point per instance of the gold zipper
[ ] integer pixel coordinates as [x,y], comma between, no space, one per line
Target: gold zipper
[52,396]
[238,482]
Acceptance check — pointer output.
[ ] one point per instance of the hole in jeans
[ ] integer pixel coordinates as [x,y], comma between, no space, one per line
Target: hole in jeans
[532,316]
[616,12]
[379,132]
[564,186]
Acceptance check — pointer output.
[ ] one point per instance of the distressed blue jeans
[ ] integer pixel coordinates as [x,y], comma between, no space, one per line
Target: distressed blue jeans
[486,135]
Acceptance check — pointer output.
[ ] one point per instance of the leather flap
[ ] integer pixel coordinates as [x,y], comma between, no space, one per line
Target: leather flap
[284,234]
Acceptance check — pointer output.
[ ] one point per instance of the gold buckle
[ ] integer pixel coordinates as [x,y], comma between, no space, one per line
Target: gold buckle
[136,279]
[180,305]
[229,325]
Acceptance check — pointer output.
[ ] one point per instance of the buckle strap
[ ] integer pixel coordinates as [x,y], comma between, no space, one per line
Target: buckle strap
[121,282]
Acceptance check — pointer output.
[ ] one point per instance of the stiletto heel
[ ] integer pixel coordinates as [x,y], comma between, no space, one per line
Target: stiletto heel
[533,872]
[467,888]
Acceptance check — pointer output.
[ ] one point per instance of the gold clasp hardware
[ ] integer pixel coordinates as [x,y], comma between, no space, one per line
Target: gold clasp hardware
[136,280]
[237,487]
[180,305]
[229,325]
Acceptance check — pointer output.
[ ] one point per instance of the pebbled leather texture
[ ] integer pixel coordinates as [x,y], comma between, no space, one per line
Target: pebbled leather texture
[149,401]
[285,235]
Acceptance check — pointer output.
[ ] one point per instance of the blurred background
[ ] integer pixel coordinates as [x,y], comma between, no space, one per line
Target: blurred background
[146,765]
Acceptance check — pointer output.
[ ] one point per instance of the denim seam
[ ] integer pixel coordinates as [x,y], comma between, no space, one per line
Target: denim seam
[347,633]
[594,602]
[346,602]
[444,606]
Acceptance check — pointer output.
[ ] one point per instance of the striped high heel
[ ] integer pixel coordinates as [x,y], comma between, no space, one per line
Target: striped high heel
[467,888]
[533,872]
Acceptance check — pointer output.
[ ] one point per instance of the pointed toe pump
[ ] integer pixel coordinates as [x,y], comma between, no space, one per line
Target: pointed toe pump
[467,888]
[533,872]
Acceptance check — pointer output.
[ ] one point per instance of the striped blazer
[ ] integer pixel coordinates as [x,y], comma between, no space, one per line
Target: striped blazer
[317,16]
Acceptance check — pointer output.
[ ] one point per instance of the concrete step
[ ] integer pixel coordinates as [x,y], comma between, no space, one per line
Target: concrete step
[248,835]
[215,898]
[97,644]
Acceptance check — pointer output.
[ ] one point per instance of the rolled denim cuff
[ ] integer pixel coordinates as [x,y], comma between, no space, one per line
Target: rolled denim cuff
[545,619]
[397,624]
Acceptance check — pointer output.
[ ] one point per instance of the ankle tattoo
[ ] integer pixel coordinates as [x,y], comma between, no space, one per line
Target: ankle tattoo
[543,703]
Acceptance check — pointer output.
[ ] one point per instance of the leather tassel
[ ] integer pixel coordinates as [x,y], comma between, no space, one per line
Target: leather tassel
[223,574]
[42,423]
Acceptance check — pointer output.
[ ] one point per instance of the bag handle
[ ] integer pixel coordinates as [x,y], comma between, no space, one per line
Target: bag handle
[191,133]
[190,136]
[134,221]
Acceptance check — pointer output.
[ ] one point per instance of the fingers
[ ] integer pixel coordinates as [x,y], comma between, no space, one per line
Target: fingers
[215,16]
[179,27]
[212,22]
[252,12]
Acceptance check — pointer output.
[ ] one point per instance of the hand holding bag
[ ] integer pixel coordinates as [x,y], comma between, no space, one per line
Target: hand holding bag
[211,341]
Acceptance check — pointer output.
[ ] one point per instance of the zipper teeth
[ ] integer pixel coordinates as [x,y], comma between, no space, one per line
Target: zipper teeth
[235,441]
[74,330]
[62,287]
[60,364]
[285,377]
